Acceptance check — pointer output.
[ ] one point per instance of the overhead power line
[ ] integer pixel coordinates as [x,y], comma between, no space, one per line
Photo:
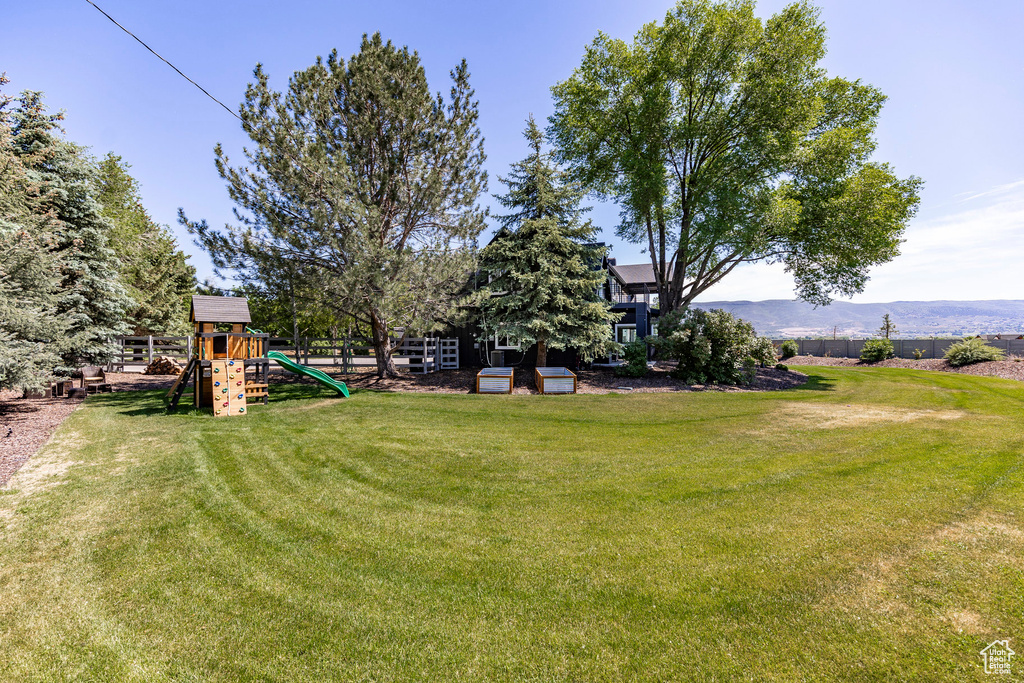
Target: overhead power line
[245,125]
[158,56]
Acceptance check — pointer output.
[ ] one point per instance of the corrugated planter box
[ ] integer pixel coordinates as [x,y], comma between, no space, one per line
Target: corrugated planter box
[555,380]
[494,381]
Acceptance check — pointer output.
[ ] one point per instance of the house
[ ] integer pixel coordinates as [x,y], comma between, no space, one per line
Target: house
[631,290]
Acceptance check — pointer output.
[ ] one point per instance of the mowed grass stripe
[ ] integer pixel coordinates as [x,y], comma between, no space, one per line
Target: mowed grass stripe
[807,534]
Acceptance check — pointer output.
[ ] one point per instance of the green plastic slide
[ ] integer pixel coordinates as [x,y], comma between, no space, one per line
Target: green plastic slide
[288,364]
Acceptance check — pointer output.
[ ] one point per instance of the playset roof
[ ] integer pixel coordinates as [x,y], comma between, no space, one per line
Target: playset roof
[219,309]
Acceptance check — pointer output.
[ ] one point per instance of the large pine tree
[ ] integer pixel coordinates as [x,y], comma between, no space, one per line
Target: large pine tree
[544,274]
[153,269]
[60,181]
[31,331]
[362,184]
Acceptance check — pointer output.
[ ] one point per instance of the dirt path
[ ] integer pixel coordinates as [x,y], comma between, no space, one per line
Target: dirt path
[27,424]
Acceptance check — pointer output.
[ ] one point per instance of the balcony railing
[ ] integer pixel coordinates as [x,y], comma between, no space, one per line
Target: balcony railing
[619,296]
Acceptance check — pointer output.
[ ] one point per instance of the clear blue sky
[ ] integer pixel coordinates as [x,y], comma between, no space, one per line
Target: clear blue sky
[953,72]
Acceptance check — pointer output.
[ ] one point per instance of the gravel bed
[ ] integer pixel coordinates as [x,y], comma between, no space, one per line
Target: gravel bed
[25,425]
[1011,368]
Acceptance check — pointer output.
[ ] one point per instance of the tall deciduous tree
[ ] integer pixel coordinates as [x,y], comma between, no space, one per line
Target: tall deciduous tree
[153,269]
[724,142]
[543,275]
[365,184]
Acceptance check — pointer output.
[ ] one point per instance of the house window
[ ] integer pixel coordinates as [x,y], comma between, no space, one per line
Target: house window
[625,333]
[654,328]
[505,343]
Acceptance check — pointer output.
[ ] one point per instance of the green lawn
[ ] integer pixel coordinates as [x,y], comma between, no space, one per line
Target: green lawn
[869,526]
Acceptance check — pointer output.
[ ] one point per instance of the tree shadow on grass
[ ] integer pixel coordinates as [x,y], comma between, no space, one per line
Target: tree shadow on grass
[817,383]
[152,402]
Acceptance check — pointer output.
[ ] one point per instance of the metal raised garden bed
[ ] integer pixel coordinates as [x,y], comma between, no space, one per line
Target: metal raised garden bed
[494,381]
[555,380]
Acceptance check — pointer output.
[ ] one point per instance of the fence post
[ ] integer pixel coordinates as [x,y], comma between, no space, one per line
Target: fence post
[150,346]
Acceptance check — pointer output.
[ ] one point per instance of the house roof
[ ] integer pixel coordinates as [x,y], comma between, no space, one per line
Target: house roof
[219,309]
[636,277]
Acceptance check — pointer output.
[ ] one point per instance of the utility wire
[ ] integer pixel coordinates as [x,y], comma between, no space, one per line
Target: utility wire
[158,56]
[245,126]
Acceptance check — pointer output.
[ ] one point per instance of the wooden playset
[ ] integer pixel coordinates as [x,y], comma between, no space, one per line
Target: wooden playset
[230,367]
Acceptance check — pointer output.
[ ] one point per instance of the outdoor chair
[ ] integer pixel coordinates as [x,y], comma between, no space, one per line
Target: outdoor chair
[92,374]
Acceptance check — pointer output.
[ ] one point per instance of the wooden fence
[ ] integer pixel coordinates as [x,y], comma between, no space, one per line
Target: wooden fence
[418,354]
[904,348]
[142,350]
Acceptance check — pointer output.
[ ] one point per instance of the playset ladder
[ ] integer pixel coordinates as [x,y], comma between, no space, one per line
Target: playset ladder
[181,383]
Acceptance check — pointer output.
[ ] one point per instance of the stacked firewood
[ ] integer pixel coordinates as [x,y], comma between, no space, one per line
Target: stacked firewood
[163,365]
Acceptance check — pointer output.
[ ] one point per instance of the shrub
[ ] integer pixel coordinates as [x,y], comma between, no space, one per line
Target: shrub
[918,354]
[749,372]
[635,355]
[789,349]
[763,351]
[972,350]
[710,346]
[780,366]
[875,350]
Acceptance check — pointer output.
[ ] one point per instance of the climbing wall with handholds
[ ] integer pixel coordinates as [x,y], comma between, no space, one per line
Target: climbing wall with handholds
[228,381]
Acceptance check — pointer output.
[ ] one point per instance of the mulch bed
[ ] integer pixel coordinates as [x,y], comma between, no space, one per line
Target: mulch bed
[1011,368]
[25,425]
[463,381]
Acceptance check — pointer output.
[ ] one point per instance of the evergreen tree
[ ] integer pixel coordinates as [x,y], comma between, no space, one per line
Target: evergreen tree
[363,186]
[543,275]
[888,328]
[153,269]
[31,332]
[60,180]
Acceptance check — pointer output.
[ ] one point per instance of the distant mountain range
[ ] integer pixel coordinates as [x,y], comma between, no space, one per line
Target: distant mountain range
[784,318]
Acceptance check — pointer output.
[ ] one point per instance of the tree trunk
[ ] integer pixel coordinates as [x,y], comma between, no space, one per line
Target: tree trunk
[542,354]
[382,347]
